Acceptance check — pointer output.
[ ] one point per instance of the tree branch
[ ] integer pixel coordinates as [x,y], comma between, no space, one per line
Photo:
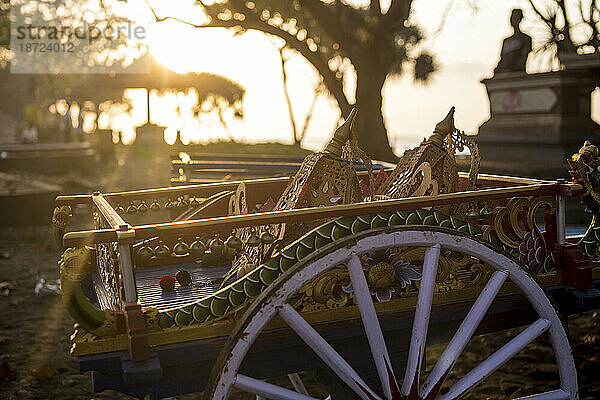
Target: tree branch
[375,7]
[329,21]
[567,28]
[253,22]
[398,12]
[288,100]
[309,114]
[546,20]
[443,20]
[594,39]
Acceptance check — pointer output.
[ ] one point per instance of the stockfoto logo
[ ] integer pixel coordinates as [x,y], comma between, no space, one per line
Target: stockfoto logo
[70,37]
[83,32]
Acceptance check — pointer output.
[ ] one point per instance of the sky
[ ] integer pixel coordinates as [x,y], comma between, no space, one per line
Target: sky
[466,51]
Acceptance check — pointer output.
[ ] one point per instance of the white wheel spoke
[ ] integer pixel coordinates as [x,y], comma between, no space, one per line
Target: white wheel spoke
[464,333]
[297,383]
[373,329]
[327,353]
[275,299]
[496,360]
[267,390]
[553,395]
[421,321]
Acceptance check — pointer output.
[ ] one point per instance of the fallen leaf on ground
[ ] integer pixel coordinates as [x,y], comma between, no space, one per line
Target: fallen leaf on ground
[44,372]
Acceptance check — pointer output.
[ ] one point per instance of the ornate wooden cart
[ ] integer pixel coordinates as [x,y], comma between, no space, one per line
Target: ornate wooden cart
[355,268]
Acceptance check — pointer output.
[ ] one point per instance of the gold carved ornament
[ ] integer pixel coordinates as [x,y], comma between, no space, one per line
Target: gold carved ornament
[352,152]
[585,168]
[332,289]
[75,265]
[326,291]
[61,216]
[455,270]
[151,318]
[109,327]
[324,179]
[457,141]
[431,168]
[513,221]
[113,324]
[584,164]
[514,227]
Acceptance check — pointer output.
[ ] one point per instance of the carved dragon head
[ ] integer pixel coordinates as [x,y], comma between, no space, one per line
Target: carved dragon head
[585,168]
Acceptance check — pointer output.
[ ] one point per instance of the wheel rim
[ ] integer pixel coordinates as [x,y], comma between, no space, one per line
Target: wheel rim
[274,302]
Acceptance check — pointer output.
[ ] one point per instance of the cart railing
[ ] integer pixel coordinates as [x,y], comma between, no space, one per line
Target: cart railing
[113,240]
[115,265]
[226,223]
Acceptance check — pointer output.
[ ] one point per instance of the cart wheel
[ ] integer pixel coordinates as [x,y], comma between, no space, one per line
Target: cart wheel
[274,301]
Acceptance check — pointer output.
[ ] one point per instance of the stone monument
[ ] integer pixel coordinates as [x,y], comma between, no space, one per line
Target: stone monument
[536,120]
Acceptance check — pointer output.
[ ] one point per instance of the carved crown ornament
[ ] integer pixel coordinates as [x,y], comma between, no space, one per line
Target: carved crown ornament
[328,178]
[325,178]
[431,168]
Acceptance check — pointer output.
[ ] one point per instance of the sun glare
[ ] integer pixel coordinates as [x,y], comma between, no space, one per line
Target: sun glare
[252,60]
[183,48]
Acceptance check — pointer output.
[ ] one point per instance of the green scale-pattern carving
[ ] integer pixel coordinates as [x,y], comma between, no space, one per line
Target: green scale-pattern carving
[236,295]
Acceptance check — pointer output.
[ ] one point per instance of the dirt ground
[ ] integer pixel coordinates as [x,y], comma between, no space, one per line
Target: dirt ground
[35,330]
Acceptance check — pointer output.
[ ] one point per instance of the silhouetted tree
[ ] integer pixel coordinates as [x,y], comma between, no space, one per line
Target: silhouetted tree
[215,93]
[335,37]
[570,27]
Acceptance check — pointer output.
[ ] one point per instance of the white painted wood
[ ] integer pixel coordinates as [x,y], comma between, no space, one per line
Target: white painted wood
[273,298]
[125,261]
[260,397]
[496,360]
[464,333]
[372,327]
[552,395]
[243,343]
[421,321]
[327,353]
[267,390]
[561,235]
[297,383]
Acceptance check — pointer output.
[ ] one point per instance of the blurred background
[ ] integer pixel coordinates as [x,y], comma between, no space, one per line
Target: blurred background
[230,80]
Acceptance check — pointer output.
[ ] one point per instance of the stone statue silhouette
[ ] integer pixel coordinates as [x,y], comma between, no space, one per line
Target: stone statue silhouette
[515,48]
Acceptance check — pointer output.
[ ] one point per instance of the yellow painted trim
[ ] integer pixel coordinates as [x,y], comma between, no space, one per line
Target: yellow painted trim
[223,328]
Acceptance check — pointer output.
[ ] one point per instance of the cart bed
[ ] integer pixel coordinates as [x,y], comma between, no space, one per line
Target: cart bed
[206,282]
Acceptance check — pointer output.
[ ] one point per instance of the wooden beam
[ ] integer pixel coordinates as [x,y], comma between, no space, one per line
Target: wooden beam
[210,225]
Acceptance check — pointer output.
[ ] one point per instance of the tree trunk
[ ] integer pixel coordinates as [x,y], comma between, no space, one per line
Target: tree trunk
[369,127]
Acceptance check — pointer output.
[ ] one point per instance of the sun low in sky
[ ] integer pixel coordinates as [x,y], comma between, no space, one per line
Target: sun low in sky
[467,50]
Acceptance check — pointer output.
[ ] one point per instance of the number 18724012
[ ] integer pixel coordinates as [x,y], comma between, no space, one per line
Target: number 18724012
[40,47]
